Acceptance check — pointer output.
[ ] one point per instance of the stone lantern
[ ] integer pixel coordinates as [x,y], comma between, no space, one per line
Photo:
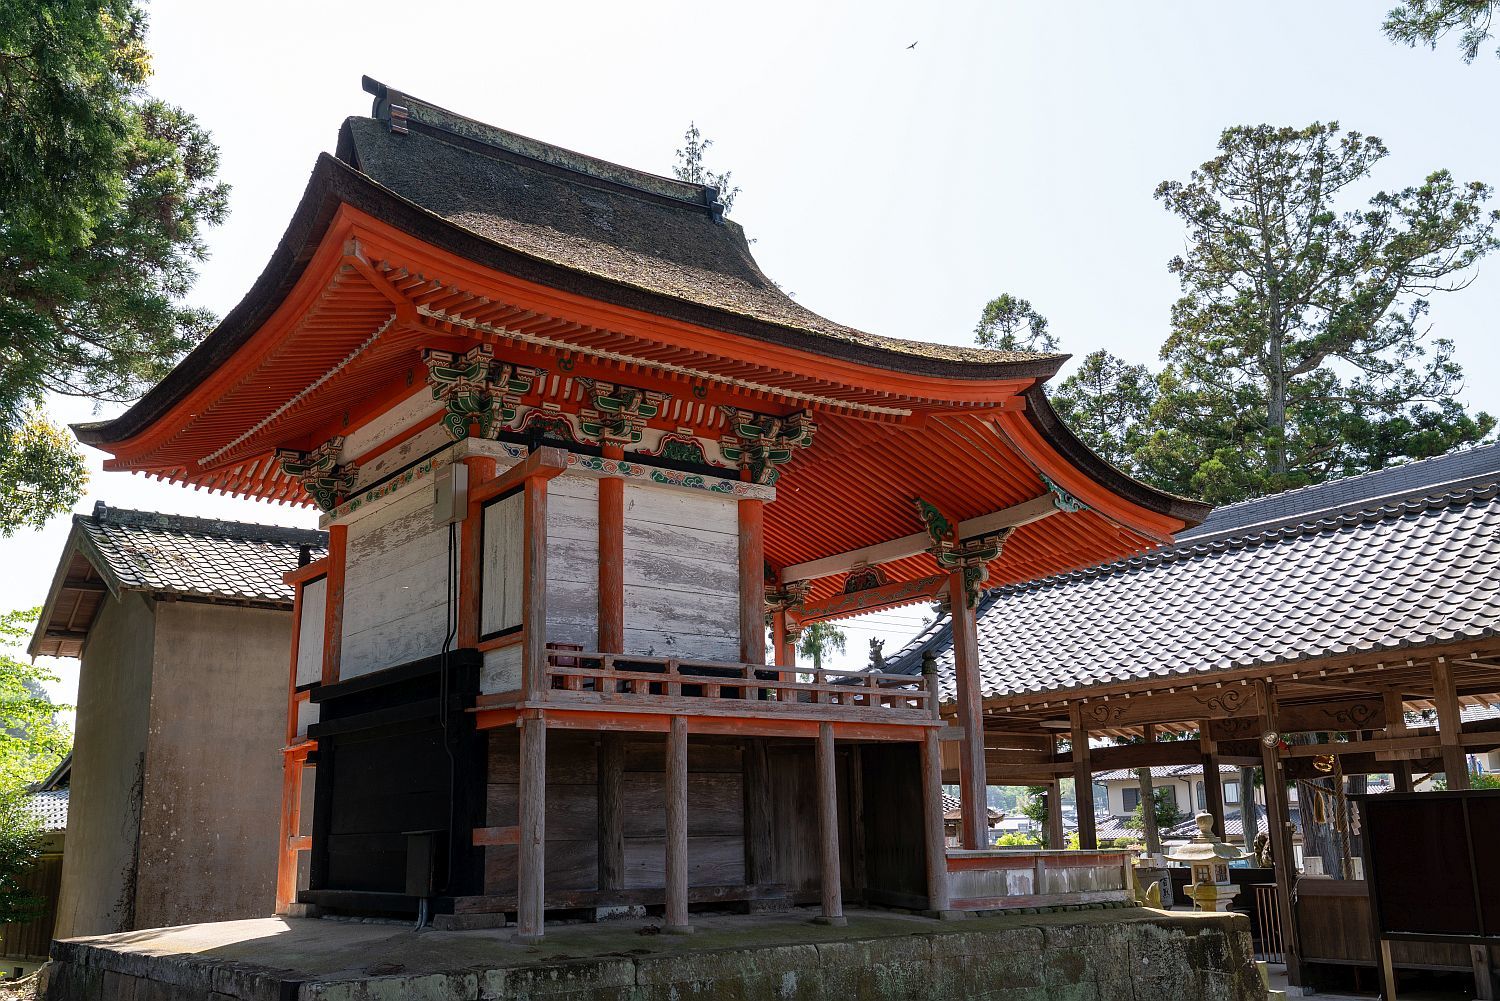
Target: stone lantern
[1209,859]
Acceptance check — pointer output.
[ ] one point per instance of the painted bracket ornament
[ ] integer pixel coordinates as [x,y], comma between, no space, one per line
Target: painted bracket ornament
[476,389]
[618,413]
[784,597]
[970,557]
[761,442]
[319,472]
[1061,499]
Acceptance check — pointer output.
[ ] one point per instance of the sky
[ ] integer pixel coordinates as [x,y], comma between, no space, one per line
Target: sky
[896,189]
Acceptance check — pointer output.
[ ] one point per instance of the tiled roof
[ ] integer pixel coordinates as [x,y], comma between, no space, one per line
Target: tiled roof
[952,807]
[50,807]
[1408,570]
[1163,772]
[173,554]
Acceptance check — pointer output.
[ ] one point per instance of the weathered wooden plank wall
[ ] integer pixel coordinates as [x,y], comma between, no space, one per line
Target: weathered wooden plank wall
[502,576]
[681,573]
[310,632]
[394,592]
[573,561]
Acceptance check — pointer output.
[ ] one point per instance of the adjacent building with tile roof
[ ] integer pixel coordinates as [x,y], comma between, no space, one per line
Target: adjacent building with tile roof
[182,627]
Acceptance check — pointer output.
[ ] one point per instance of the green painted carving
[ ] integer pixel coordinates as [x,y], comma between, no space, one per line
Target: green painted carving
[761,442]
[680,449]
[939,529]
[476,389]
[971,557]
[1063,500]
[321,476]
[619,413]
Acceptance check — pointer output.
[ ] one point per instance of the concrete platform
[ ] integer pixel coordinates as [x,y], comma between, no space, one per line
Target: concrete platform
[1104,955]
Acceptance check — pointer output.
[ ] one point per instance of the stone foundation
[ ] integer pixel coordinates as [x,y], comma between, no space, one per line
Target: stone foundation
[1113,955]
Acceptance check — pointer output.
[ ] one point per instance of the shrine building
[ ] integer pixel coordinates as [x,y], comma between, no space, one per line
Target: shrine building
[574,452]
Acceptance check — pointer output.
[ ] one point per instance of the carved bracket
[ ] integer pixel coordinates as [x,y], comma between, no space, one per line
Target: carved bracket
[618,413]
[782,597]
[476,389]
[319,472]
[1063,500]
[761,442]
[971,557]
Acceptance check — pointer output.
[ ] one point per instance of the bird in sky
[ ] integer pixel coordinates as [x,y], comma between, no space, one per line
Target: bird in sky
[913,45]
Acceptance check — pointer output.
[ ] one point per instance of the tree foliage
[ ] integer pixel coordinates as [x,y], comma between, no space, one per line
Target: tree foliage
[1298,349]
[104,196]
[1107,402]
[20,847]
[32,739]
[1009,323]
[1425,22]
[692,167]
[1166,812]
[819,640]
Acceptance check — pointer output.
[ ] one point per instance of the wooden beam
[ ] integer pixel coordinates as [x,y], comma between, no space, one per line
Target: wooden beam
[544,463]
[486,837]
[532,857]
[973,783]
[677,837]
[919,542]
[933,838]
[612,560]
[1450,724]
[1213,786]
[1057,838]
[828,829]
[760,859]
[471,557]
[333,602]
[1156,754]
[1279,829]
[1083,782]
[611,810]
[534,590]
[752,582]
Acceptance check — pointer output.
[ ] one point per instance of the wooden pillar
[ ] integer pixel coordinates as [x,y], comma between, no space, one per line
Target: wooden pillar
[760,862]
[1395,726]
[1450,724]
[828,828]
[677,839]
[333,602]
[972,782]
[1057,838]
[471,554]
[1279,828]
[534,594]
[1213,785]
[782,651]
[932,822]
[611,811]
[292,761]
[1083,782]
[752,582]
[612,559]
[532,855]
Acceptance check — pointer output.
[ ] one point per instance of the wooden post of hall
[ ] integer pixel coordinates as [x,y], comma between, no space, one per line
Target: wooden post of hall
[1450,724]
[752,582]
[534,590]
[611,640]
[1057,838]
[333,602]
[1083,783]
[973,783]
[677,841]
[828,829]
[1213,784]
[932,823]
[1395,726]
[1279,829]
[532,857]
[481,469]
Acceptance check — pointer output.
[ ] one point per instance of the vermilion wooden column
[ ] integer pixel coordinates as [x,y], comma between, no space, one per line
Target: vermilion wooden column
[781,648]
[532,858]
[752,582]
[973,783]
[676,842]
[333,604]
[828,828]
[471,555]
[534,594]
[612,559]
[932,823]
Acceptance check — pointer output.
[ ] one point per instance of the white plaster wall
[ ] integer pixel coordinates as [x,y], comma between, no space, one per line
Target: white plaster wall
[310,631]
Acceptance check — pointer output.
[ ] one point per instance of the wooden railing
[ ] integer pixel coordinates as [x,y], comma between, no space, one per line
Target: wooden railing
[617,679]
[991,879]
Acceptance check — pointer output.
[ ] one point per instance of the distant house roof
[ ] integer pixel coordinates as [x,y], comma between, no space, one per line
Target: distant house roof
[114,550]
[1395,559]
[50,807]
[1162,772]
[953,810]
